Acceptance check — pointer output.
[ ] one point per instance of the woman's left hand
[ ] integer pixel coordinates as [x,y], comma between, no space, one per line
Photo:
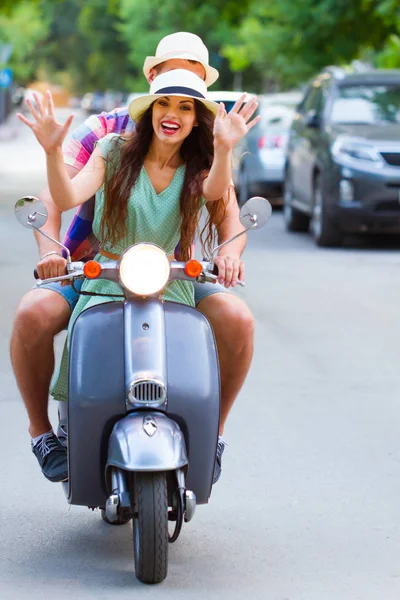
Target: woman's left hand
[230,270]
[230,128]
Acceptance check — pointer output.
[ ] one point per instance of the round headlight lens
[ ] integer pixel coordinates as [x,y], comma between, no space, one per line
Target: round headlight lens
[144,269]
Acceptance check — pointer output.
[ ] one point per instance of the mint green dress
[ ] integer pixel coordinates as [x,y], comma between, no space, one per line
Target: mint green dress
[151,218]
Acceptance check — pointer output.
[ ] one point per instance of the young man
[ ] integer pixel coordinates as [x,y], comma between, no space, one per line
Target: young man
[44,312]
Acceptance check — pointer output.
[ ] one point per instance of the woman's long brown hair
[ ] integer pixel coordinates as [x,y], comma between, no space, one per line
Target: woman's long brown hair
[125,162]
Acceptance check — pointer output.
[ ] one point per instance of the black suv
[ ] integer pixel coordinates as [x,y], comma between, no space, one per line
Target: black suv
[342,171]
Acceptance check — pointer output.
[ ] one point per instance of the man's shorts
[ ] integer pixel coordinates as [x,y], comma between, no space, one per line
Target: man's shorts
[201,291]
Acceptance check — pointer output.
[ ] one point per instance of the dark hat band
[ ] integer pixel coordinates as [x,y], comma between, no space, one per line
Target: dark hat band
[176,89]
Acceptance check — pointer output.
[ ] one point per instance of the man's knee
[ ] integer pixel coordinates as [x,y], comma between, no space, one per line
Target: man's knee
[40,312]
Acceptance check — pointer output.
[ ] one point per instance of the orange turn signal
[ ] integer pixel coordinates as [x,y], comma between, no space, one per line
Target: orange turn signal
[92,269]
[193,268]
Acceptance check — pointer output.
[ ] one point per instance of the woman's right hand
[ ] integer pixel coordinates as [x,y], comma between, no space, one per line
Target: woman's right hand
[49,133]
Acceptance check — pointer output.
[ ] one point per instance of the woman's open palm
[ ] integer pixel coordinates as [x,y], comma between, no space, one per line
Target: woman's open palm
[49,133]
[230,128]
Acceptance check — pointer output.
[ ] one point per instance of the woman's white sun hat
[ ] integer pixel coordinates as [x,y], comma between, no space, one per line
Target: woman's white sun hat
[178,82]
[182,45]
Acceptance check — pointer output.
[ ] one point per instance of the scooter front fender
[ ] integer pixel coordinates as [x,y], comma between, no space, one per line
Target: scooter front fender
[146,441]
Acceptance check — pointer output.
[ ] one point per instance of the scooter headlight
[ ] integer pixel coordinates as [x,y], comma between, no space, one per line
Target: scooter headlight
[144,269]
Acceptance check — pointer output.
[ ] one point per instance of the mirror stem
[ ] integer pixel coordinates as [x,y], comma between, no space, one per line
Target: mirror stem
[55,241]
[213,252]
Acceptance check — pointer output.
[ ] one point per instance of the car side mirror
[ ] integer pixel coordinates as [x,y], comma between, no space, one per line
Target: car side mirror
[313,120]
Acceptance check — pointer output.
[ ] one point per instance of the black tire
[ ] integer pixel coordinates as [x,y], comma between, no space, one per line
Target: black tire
[150,527]
[121,521]
[294,219]
[324,232]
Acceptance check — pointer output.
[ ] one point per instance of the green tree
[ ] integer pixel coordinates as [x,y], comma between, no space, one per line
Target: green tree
[24,29]
[107,66]
[144,24]
[289,40]
[8,6]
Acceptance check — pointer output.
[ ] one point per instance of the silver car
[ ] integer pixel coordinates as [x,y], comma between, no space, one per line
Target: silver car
[260,159]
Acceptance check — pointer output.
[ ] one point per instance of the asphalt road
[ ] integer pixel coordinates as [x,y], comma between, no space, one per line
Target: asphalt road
[307,507]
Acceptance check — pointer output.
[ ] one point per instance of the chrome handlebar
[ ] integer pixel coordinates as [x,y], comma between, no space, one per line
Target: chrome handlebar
[75,271]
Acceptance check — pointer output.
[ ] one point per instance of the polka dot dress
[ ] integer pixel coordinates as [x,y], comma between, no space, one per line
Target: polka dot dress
[151,218]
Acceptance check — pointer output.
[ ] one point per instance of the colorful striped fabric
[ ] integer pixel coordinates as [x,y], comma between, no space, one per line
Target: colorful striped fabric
[79,238]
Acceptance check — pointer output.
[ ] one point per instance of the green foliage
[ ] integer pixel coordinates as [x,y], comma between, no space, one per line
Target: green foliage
[144,24]
[389,58]
[263,44]
[107,66]
[8,6]
[289,40]
[24,29]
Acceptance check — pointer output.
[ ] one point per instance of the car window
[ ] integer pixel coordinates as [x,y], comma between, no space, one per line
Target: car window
[371,104]
[273,128]
[276,118]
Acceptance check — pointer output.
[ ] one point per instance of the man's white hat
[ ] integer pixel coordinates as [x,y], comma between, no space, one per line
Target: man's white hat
[178,82]
[182,45]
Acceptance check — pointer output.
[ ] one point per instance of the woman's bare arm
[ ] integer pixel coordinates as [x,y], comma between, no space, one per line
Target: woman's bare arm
[50,134]
[67,193]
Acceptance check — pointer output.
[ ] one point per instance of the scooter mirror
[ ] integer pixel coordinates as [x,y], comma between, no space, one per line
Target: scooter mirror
[30,212]
[255,212]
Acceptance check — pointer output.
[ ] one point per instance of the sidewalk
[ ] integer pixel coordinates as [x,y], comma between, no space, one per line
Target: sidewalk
[9,129]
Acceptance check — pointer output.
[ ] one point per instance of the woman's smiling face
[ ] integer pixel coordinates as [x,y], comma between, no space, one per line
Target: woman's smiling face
[173,118]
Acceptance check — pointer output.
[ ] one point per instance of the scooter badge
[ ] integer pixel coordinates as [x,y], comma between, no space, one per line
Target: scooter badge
[149,425]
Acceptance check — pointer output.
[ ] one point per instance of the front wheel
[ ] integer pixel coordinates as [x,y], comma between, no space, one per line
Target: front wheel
[150,527]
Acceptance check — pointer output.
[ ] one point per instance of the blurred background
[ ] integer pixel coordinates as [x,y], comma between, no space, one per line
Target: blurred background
[307,507]
[90,55]
[98,46]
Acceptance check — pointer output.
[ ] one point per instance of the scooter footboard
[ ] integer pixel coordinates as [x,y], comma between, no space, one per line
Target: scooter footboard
[146,441]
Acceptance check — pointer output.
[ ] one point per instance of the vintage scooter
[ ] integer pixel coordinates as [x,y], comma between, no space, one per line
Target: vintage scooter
[144,394]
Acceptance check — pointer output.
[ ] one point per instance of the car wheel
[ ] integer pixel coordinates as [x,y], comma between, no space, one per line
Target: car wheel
[294,219]
[324,232]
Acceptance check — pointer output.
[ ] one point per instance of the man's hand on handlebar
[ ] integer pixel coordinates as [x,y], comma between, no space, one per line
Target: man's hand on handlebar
[52,265]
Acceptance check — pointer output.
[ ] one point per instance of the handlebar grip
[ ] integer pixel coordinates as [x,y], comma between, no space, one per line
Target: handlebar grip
[215,270]
[36,274]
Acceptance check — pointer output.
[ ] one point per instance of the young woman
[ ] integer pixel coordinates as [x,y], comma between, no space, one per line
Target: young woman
[150,185]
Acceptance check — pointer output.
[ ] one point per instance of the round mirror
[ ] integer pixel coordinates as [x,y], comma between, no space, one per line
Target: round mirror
[255,212]
[30,212]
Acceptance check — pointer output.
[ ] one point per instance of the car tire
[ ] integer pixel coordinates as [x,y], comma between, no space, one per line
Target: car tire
[295,220]
[324,232]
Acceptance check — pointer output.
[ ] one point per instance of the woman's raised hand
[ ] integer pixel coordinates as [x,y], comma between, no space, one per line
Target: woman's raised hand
[49,133]
[230,128]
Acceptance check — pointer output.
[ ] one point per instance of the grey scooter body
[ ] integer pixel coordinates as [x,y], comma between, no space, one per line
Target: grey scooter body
[144,395]
[115,343]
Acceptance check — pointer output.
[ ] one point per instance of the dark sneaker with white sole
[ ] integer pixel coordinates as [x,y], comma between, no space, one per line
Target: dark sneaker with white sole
[52,457]
[218,459]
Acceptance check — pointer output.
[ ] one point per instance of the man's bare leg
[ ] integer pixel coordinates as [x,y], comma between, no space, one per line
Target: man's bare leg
[233,326]
[40,315]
